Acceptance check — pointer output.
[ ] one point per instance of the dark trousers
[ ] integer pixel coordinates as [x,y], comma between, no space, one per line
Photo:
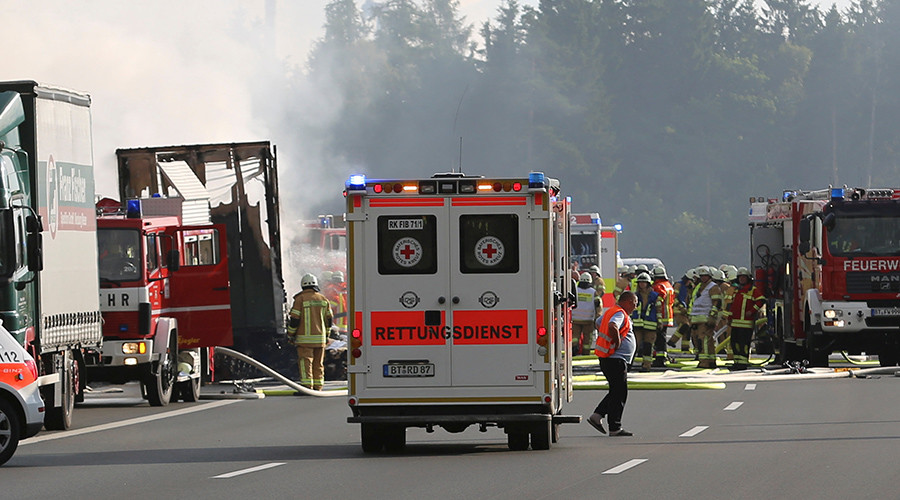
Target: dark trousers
[613,404]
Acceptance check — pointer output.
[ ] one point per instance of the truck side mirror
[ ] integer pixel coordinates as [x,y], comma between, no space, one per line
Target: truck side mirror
[173,260]
[805,226]
[828,221]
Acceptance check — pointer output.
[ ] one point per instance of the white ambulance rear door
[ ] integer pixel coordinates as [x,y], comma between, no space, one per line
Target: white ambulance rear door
[494,261]
[406,292]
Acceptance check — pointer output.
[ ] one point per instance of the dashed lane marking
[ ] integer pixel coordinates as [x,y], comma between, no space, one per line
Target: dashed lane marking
[624,467]
[750,387]
[124,423]
[693,432]
[733,406]
[248,471]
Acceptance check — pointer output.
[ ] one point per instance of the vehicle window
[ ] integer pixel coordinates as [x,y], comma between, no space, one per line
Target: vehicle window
[407,244]
[489,243]
[152,253]
[201,247]
[119,254]
[864,237]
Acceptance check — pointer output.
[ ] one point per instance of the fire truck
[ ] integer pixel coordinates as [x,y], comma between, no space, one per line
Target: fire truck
[829,264]
[594,245]
[459,307]
[164,296]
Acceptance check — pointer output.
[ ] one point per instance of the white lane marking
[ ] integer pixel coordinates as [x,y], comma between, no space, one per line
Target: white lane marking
[124,423]
[733,406]
[627,465]
[248,471]
[693,432]
[750,387]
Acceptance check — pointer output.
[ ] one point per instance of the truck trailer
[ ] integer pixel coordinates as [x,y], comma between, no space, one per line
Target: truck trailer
[49,292]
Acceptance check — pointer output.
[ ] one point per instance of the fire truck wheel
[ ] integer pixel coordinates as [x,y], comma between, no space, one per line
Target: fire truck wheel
[10,430]
[541,435]
[161,384]
[371,438]
[394,437]
[189,390]
[517,439]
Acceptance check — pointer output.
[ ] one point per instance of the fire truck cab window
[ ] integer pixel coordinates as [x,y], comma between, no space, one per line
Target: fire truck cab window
[152,253]
[119,254]
[407,244]
[489,243]
[864,237]
[201,248]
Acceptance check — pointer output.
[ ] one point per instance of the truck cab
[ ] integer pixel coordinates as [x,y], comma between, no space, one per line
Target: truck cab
[164,296]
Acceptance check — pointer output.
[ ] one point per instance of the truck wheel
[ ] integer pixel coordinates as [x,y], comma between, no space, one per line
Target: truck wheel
[517,439]
[59,418]
[161,385]
[189,390]
[10,430]
[541,435]
[394,437]
[371,438]
[554,438]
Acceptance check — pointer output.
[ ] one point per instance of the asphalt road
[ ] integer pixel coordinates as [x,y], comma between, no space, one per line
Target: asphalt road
[814,438]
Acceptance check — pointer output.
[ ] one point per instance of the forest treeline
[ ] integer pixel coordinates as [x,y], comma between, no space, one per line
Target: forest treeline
[663,115]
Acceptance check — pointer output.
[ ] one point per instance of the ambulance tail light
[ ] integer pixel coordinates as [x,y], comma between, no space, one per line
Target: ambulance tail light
[356,342]
[32,368]
[542,336]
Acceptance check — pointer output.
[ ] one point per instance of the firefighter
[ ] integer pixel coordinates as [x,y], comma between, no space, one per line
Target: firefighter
[638,269]
[684,292]
[645,319]
[727,275]
[308,324]
[666,293]
[584,315]
[622,282]
[704,310]
[742,315]
[336,293]
[597,280]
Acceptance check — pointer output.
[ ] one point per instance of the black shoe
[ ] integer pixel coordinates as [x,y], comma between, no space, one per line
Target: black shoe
[658,363]
[620,432]
[671,344]
[736,367]
[596,423]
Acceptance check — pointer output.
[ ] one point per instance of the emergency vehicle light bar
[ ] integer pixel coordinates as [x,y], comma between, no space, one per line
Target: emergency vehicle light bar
[133,209]
[837,193]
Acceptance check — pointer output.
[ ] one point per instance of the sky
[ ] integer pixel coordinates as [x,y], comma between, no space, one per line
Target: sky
[166,72]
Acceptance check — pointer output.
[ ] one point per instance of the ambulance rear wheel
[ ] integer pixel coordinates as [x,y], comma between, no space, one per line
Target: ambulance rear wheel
[517,439]
[10,430]
[394,437]
[370,435]
[541,435]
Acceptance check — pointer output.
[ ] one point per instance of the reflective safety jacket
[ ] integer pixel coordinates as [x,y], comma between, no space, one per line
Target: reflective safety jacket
[336,293]
[645,314]
[745,306]
[310,318]
[667,298]
[622,284]
[704,307]
[604,341]
[585,309]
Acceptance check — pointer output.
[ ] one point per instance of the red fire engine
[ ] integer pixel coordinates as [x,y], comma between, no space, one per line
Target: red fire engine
[164,296]
[829,262]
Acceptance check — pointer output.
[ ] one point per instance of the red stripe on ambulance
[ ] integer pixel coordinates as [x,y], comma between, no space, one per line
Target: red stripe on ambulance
[490,327]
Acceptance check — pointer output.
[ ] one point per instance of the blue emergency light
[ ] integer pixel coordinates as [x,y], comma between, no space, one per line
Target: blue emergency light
[536,180]
[618,227]
[837,193]
[133,209]
[595,220]
[357,182]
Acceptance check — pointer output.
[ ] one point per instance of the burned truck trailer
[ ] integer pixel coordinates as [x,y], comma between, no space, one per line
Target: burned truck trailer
[241,189]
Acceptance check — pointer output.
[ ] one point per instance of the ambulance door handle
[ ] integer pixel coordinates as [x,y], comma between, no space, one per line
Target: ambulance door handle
[455,300]
[441,300]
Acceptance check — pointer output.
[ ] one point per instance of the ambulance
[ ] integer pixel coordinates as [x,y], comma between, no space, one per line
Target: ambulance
[459,307]
[21,406]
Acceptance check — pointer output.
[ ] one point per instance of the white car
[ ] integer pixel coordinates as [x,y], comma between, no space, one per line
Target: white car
[21,406]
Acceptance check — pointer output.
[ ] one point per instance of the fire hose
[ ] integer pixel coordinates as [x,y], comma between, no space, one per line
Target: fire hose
[286,381]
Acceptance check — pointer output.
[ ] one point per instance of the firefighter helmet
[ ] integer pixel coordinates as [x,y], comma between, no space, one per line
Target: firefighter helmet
[716,274]
[594,269]
[644,278]
[622,269]
[641,268]
[337,277]
[326,277]
[730,273]
[585,278]
[743,271]
[704,270]
[308,280]
[659,272]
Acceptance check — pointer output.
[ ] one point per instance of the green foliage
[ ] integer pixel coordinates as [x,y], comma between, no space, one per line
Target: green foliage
[663,115]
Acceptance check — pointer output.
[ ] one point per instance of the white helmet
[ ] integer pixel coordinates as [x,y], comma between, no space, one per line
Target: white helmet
[717,274]
[659,272]
[703,270]
[585,278]
[731,273]
[743,271]
[308,280]
[644,278]
[337,277]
